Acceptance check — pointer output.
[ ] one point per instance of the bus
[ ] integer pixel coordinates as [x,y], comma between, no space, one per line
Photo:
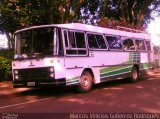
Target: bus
[78,55]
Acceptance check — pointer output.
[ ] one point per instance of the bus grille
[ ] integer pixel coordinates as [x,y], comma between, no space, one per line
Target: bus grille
[34,74]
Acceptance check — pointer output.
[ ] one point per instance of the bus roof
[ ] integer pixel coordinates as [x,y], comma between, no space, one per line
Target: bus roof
[91,28]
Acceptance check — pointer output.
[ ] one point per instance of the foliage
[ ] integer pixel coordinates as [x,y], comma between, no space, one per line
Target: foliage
[90,11]
[7,53]
[17,14]
[156,50]
[137,12]
[5,68]
[21,13]
[116,24]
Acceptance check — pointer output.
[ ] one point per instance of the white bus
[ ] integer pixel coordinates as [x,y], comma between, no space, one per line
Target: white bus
[78,54]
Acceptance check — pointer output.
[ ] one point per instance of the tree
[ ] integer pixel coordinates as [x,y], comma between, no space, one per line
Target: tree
[17,14]
[70,10]
[156,50]
[90,10]
[137,12]
[8,19]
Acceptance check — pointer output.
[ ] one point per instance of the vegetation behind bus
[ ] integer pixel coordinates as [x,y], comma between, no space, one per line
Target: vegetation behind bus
[6,56]
[5,69]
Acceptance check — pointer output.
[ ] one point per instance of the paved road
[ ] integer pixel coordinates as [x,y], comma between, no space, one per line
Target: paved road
[116,96]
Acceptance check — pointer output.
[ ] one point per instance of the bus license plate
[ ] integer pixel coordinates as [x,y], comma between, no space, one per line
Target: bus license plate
[30,83]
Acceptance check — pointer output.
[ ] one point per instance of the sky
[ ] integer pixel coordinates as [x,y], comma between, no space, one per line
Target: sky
[3,41]
[154,30]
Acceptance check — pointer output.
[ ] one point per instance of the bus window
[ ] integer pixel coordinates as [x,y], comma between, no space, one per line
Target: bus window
[140,45]
[148,45]
[72,42]
[128,44]
[114,43]
[75,43]
[59,42]
[100,41]
[92,41]
[65,38]
[80,40]
[96,41]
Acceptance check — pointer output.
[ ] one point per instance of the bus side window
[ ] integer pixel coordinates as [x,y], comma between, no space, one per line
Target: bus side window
[100,41]
[148,45]
[140,45]
[131,44]
[80,40]
[65,38]
[128,44]
[114,43]
[75,43]
[125,45]
[60,45]
[72,42]
[92,41]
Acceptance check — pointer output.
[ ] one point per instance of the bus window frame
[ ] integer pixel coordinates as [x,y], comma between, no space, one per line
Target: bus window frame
[55,42]
[97,49]
[74,49]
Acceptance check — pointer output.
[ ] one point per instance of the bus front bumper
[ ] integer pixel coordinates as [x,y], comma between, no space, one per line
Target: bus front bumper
[38,84]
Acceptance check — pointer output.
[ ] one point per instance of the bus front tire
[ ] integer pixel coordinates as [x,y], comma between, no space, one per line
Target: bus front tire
[86,82]
[134,75]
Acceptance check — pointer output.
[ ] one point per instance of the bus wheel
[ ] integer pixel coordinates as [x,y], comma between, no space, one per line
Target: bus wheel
[86,82]
[135,74]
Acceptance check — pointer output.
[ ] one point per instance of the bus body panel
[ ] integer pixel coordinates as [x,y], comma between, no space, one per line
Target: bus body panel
[75,66]
[100,63]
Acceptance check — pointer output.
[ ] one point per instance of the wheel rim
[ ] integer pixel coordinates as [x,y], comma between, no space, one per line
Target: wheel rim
[134,74]
[85,81]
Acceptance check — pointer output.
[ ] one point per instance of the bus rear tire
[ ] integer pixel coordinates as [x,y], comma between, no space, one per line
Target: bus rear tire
[134,75]
[86,82]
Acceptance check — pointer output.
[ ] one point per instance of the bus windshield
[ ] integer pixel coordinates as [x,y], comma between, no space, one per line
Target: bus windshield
[34,43]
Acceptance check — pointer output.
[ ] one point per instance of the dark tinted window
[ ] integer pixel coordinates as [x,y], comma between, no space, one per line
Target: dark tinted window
[65,38]
[128,44]
[71,39]
[101,42]
[114,42]
[96,41]
[59,42]
[92,41]
[80,40]
[34,43]
[140,45]
[148,44]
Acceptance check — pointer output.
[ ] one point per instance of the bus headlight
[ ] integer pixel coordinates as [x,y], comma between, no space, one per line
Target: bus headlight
[16,77]
[51,69]
[52,75]
[15,71]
